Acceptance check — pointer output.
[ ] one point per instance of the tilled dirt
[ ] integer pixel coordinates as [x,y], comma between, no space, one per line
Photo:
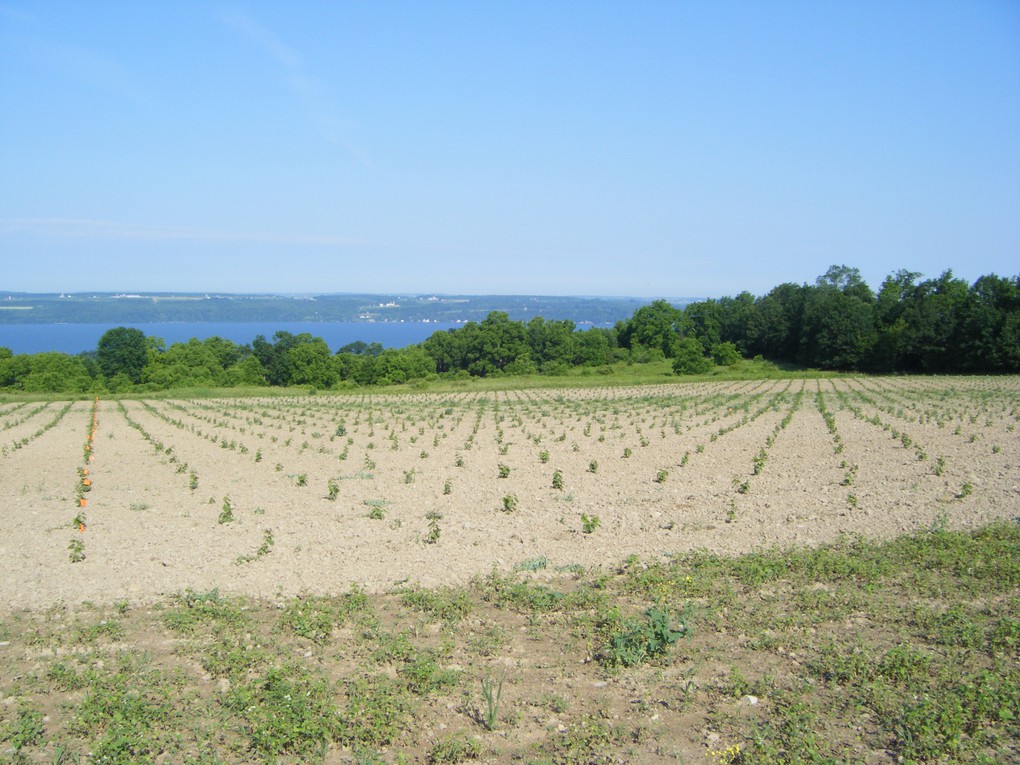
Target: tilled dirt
[419,497]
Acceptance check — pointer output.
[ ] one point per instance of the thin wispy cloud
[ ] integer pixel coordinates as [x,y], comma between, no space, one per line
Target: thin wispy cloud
[81,228]
[312,93]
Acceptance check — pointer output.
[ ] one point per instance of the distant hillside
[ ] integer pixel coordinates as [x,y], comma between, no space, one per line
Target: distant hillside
[23,308]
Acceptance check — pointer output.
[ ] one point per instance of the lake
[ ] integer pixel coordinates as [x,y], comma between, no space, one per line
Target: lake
[76,338]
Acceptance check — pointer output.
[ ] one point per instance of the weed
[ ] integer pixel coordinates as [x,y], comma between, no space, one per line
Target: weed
[316,617]
[492,693]
[287,711]
[452,749]
[638,640]
[444,604]
[532,564]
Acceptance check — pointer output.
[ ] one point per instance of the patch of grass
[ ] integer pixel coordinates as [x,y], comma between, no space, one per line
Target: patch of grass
[314,617]
[289,710]
[907,647]
[444,604]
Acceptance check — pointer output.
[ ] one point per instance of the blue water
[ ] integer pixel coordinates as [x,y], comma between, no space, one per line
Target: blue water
[76,338]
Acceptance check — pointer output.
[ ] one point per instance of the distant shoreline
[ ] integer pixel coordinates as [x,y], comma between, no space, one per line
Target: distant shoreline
[162,308]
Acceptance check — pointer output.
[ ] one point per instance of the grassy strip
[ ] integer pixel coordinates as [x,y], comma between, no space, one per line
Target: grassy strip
[618,374]
[904,650]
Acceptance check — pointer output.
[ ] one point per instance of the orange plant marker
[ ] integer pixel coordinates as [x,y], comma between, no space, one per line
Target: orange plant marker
[82,501]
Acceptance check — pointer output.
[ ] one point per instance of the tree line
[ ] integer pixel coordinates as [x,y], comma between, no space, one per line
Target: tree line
[940,325]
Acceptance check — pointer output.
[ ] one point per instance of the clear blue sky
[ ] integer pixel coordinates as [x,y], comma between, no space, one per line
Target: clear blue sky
[541,146]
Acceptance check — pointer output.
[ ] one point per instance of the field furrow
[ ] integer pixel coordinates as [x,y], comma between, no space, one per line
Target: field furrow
[312,494]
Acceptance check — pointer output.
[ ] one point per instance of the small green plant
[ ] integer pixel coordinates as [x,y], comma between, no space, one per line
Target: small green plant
[332,489]
[593,467]
[76,550]
[557,479]
[492,692]
[638,640]
[302,479]
[965,490]
[452,749]
[258,455]
[226,512]
[447,486]
[940,465]
[459,461]
[509,503]
[543,456]
[759,461]
[504,471]
[661,476]
[532,564]
[432,535]
[409,476]
[376,513]
[263,549]
[193,480]
[589,523]
[627,452]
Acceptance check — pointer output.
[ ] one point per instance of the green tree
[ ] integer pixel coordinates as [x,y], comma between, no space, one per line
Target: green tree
[838,330]
[592,348]
[725,354]
[123,350]
[55,372]
[657,326]
[690,358]
[990,320]
[248,372]
[704,321]
[311,363]
[182,365]
[774,324]
[551,342]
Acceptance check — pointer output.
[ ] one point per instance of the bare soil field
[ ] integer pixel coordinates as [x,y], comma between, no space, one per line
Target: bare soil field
[129,501]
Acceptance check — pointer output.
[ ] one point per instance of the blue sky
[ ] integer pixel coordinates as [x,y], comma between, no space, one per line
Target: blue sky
[574,148]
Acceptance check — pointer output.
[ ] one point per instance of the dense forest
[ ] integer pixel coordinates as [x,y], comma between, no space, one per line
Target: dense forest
[911,325]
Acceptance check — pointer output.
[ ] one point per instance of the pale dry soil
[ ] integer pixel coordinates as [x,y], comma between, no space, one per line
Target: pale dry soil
[646,471]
